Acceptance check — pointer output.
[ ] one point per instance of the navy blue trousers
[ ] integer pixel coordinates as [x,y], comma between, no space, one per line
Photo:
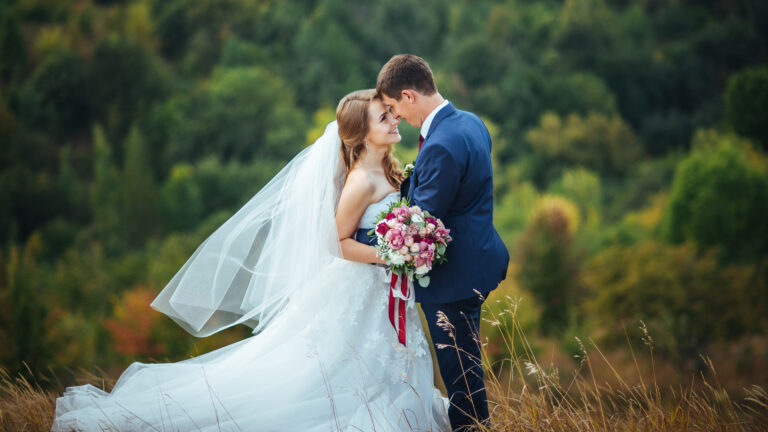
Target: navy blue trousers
[458,356]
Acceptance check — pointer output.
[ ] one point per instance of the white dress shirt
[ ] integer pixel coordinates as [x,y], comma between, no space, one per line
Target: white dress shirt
[428,121]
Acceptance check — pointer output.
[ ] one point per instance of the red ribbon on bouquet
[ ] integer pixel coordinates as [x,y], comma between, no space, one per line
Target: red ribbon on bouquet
[397,306]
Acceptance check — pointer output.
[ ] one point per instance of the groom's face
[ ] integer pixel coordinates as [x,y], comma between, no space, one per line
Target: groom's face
[403,109]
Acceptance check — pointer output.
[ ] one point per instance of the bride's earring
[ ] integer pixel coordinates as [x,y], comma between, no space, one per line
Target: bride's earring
[367,150]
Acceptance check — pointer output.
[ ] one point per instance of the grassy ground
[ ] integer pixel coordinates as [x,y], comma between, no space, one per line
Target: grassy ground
[526,395]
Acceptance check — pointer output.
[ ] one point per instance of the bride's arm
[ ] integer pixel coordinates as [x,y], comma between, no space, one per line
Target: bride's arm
[355,198]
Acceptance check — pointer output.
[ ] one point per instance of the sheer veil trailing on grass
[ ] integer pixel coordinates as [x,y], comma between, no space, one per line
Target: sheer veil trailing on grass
[272,248]
[325,356]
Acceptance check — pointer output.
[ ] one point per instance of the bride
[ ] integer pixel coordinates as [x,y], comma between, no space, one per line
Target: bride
[292,263]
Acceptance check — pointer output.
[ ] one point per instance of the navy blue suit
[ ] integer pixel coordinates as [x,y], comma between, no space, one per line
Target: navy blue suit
[453,180]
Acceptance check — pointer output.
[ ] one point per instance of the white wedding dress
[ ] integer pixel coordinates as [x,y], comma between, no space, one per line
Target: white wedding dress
[326,358]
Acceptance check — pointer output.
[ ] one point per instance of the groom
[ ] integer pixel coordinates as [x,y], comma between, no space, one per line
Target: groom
[453,180]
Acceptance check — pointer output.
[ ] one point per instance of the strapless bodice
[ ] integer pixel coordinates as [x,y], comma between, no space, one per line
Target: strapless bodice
[372,212]
[369,218]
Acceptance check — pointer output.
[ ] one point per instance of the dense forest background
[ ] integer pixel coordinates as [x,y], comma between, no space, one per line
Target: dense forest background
[630,138]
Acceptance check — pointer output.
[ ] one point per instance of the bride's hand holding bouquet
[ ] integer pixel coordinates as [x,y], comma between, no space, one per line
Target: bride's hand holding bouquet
[410,240]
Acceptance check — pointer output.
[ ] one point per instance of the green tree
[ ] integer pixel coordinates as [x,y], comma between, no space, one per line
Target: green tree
[604,144]
[582,187]
[719,198]
[549,266]
[61,93]
[329,58]
[14,57]
[105,199]
[23,305]
[139,213]
[239,114]
[125,81]
[746,103]
[182,201]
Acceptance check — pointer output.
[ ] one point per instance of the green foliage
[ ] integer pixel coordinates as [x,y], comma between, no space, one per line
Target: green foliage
[60,90]
[598,142]
[329,58]
[686,298]
[746,103]
[139,209]
[181,199]
[548,262]
[240,114]
[194,104]
[22,333]
[105,203]
[719,198]
[14,57]
[125,80]
[579,93]
[583,188]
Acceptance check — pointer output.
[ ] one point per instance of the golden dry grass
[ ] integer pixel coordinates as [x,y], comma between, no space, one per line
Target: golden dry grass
[524,395]
[25,406]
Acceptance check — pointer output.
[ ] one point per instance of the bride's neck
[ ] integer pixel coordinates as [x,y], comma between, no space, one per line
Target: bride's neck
[371,159]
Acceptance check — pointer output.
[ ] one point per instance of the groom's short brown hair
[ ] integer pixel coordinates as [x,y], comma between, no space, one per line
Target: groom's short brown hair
[405,71]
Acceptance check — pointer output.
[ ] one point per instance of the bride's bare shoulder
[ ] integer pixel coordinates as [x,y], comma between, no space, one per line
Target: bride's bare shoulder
[359,178]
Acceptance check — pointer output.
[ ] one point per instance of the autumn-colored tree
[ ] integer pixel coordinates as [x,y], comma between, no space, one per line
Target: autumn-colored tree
[132,323]
[687,299]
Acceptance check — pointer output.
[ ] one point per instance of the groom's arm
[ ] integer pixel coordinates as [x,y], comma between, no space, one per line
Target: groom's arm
[439,176]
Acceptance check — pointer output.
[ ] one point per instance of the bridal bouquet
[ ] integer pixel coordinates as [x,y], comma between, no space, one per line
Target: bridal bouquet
[410,240]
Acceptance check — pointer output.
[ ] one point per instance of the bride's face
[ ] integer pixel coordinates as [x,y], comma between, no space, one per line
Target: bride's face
[382,125]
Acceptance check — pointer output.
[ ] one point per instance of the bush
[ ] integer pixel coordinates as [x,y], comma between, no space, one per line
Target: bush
[746,103]
[719,198]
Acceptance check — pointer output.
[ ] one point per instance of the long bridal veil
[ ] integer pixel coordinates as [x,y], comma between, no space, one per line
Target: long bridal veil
[250,267]
[326,356]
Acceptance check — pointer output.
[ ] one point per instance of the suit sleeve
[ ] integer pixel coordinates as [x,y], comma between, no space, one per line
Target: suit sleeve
[439,176]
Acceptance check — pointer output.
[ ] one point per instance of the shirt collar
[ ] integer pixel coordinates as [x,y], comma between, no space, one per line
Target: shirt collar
[428,121]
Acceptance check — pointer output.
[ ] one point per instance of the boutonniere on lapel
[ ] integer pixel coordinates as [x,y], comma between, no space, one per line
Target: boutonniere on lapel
[408,170]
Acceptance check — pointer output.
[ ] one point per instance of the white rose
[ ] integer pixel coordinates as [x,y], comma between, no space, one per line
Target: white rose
[396,259]
[422,270]
[416,218]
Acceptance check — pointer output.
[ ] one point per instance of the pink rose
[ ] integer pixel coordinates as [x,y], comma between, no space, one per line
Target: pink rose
[390,216]
[396,242]
[388,235]
[409,240]
[403,250]
[415,248]
[408,258]
[430,220]
[419,261]
[423,232]
[423,245]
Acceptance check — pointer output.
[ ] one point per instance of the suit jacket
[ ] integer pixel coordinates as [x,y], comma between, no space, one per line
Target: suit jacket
[453,180]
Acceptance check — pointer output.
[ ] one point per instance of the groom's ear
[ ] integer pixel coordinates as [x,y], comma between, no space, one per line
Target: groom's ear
[409,95]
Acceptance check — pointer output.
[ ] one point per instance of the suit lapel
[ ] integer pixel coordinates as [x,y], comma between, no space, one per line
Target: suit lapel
[443,113]
[410,183]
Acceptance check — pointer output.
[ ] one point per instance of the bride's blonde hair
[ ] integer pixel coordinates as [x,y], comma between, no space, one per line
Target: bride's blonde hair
[352,120]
